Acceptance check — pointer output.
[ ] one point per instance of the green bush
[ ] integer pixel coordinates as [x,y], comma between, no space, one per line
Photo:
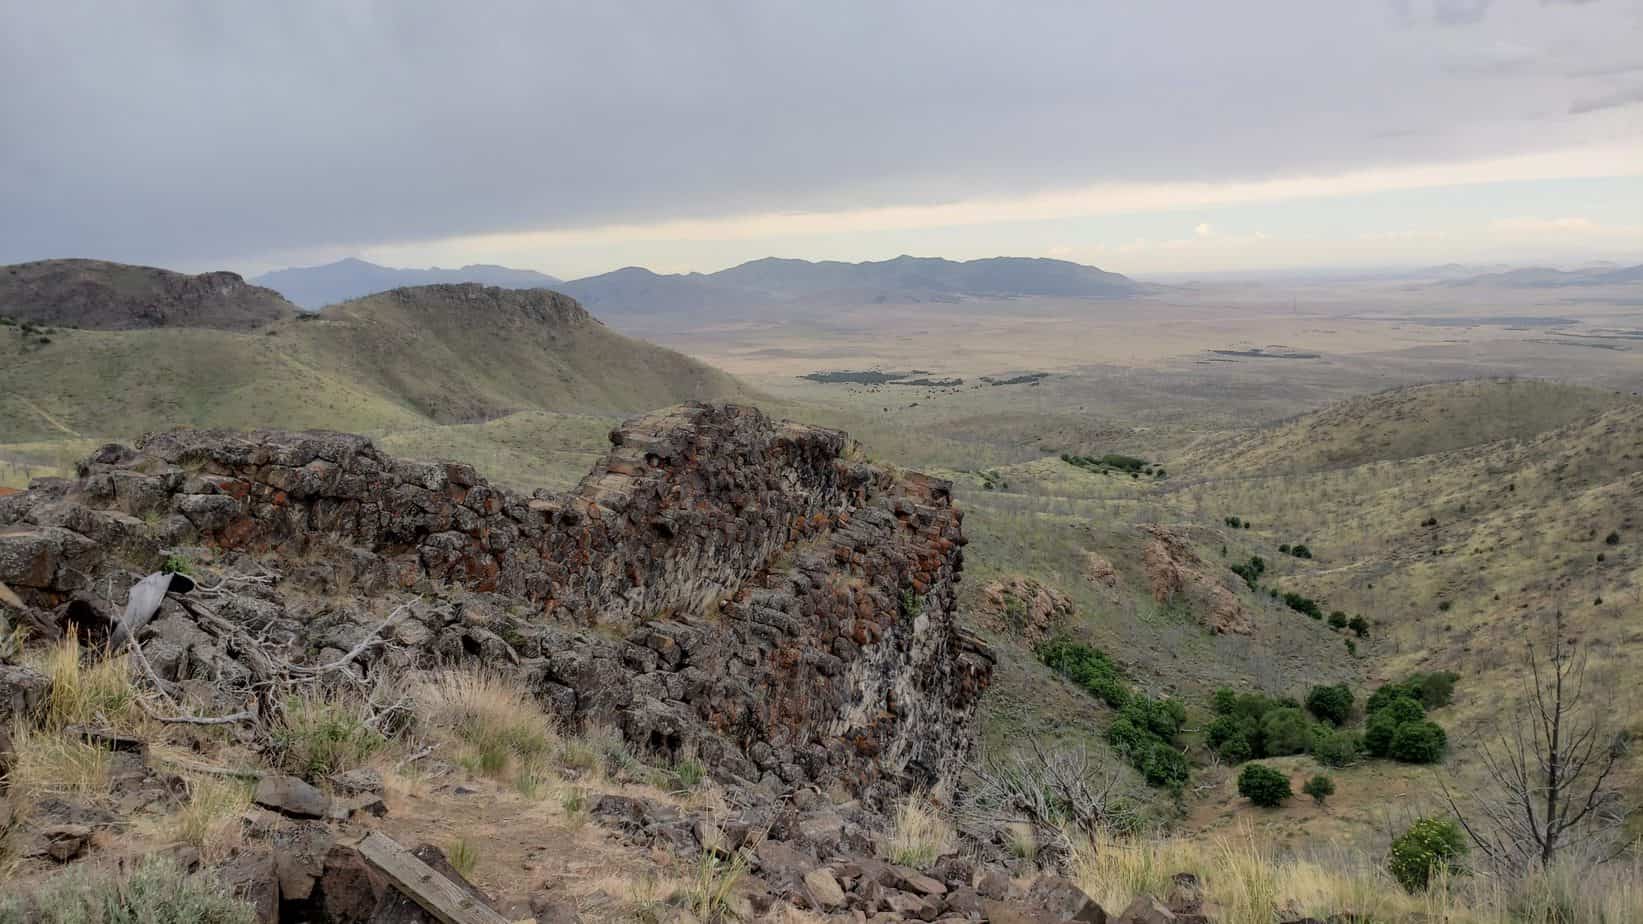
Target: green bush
[1359,626]
[1319,788]
[1224,701]
[1263,786]
[1435,689]
[1088,667]
[1432,690]
[1301,603]
[1300,551]
[1286,731]
[1332,703]
[1164,766]
[1336,749]
[1420,742]
[1378,733]
[1163,718]
[1338,620]
[1613,538]
[1431,846]
[1236,749]
[1251,571]
[1143,724]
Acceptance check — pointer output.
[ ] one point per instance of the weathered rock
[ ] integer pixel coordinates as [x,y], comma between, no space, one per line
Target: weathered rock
[914,881]
[61,842]
[299,860]
[912,906]
[1146,910]
[994,884]
[550,910]
[1173,568]
[250,876]
[832,652]
[291,796]
[963,901]
[22,691]
[824,890]
[359,781]
[1023,607]
[346,807]
[781,864]
[1063,901]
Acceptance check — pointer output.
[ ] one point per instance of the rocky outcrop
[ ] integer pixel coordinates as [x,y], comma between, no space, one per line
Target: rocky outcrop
[97,294]
[1024,608]
[1174,569]
[721,582]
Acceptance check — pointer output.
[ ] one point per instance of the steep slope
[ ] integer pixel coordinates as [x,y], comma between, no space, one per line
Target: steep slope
[96,294]
[403,359]
[317,286]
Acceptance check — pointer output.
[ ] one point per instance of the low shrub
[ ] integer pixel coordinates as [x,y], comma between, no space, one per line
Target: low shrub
[156,891]
[1332,703]
[1421,742]
[1431,846]
[1359,626]
[1338,748]
[1263,786]
[1338,620]
[1320,787]
[1301,603]
[1286,731]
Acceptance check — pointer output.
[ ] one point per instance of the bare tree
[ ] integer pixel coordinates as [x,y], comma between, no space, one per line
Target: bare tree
[1550,766]
[1058,790]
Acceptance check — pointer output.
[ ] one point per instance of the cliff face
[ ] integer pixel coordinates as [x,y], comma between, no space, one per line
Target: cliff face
[721,582]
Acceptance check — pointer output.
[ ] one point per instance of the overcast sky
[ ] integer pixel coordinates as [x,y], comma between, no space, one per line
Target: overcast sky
[577,137]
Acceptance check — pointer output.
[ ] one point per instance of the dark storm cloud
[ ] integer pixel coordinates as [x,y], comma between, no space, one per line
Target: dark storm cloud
[189,132]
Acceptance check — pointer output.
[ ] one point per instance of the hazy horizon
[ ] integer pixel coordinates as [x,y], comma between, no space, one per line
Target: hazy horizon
[1172,138]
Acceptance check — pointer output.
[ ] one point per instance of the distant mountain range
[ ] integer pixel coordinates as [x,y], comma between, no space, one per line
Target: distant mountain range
[1545,277]
[763,284]
[318,286]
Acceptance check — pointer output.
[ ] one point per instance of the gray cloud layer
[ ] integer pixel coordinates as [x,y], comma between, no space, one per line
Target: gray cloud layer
[191,132]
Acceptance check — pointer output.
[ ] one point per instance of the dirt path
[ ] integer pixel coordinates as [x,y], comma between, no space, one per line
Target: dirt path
[46,415]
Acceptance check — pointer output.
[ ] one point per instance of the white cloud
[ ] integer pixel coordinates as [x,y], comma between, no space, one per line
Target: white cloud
[1203,230]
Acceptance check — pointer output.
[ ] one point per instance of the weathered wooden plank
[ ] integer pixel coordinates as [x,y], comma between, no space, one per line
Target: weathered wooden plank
[437,895]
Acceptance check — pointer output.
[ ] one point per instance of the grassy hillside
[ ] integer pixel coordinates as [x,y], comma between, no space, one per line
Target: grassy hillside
[400,360]
[1455,518]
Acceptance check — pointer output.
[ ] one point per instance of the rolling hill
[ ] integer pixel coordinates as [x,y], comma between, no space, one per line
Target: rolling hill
[402,359]
[317,286]
[98,295]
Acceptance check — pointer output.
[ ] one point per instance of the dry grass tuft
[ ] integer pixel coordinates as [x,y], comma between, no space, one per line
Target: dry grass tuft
[920,834]
[100,693]
[210,822]
[323,733]
[1245,883]
[48,763]
[496,725]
